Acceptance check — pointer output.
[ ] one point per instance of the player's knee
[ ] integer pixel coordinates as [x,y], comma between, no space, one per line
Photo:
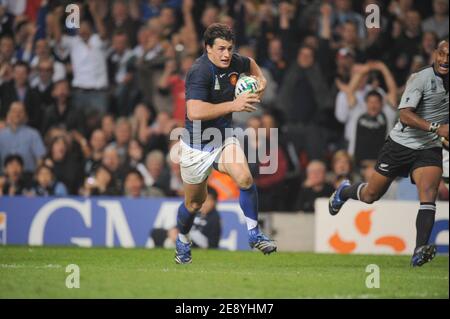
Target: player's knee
[428,194]
[244,181]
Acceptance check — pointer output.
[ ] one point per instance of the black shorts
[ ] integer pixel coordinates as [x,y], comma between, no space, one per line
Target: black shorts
[396,160]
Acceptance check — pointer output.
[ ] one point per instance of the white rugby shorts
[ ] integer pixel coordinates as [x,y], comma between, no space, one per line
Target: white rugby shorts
[196,164]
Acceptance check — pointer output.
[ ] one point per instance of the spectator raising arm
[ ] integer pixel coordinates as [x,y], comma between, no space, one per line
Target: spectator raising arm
[31,34]
[359,72]
[53,23]
[391,96]
[98,20]
[325,19]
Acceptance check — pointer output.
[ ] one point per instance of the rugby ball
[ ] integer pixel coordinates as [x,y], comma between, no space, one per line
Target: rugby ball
[245,84]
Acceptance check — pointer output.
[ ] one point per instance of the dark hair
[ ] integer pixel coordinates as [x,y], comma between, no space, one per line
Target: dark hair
[22,63]
[103,167]
[7,36]
[306,46]
[89,22]
[374,76]
[44,166]
[218,31]
[120,32]
[20,25]
[135,172]
[64,80]
[13,158]
[374,93]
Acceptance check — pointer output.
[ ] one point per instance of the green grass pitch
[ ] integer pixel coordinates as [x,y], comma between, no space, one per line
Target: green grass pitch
[38,272]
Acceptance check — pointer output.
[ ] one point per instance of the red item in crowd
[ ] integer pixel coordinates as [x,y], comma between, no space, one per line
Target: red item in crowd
[177,90]
[32,8]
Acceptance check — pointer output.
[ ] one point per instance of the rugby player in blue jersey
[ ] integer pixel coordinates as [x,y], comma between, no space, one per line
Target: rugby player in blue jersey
[210,102]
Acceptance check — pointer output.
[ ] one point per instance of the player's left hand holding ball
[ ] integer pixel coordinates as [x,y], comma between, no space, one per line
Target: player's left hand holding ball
[244,102]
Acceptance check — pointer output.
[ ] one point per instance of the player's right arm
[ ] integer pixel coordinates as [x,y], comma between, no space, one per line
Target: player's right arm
[201,110]
[409,118]
[408,104]
[198,86]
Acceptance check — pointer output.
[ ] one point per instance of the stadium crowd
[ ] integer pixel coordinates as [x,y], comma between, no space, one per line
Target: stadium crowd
[89,111]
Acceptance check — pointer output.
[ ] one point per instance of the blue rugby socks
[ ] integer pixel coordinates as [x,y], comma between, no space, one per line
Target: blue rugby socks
[248,200]
[185,219]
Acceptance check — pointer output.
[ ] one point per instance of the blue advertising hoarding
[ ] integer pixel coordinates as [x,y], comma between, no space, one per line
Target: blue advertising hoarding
[103,221]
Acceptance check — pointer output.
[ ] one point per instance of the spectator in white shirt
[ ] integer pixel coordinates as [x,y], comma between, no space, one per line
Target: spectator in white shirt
[88,57]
